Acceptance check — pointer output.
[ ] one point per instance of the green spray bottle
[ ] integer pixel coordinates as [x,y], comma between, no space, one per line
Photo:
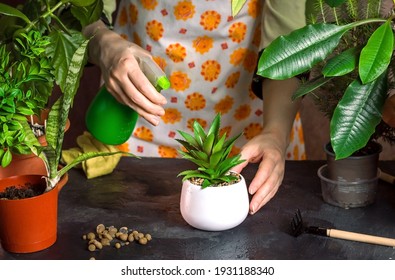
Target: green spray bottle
[113,123]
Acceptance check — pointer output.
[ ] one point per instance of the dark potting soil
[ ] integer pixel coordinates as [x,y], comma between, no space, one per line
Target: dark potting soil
[13,193]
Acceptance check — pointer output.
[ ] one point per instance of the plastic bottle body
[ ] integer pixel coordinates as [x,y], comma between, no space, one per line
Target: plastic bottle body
[109,121]
[113,123]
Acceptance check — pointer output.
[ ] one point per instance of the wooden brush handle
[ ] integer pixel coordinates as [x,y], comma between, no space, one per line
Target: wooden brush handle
[360,237]
[387,177]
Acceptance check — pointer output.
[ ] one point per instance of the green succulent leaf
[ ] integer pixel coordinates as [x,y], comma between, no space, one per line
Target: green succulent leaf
[215,158]
[342,64]
[208,144]
[200,134]
[190,139]
[214,127]
[211,156]
[219,145]
[376,55]
[356,116]
[186,144]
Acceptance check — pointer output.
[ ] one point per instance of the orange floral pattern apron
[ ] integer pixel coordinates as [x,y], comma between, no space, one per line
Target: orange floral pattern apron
[209,57]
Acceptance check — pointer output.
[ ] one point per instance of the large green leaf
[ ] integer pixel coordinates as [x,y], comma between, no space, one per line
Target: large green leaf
[11,11]
[334,3]
[356,116]
[376,55]
[60,110]
[297,52]
[80,3]
[89,12]
[341,64]
[310,86]
[62,49]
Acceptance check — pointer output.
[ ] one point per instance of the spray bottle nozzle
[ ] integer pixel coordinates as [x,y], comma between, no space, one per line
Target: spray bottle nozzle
[154,73]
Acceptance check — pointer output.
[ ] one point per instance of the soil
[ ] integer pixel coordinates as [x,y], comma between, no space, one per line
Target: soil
[199,181]
[13,193]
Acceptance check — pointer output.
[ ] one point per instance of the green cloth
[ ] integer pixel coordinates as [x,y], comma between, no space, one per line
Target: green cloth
[97,166]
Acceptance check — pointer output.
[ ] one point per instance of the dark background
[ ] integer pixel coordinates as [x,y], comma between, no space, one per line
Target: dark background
[315,125]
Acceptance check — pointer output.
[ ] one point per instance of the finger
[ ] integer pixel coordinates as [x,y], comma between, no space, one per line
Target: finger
[264,187]
[143,85]
[258,202]
[127,94]
[265,170]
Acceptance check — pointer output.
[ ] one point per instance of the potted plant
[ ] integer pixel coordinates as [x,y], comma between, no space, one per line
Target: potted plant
[347,46]
[213,198]
[41,45]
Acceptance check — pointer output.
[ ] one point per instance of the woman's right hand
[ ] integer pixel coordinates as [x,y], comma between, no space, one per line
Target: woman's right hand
[118,61]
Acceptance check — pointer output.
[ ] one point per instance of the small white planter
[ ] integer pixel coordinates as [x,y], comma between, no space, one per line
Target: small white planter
[214,208]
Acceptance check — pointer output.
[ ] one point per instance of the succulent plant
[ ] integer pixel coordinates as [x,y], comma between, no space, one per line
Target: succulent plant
[210,152]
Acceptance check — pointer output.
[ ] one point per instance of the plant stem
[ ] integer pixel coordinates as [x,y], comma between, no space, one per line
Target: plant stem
[49,12]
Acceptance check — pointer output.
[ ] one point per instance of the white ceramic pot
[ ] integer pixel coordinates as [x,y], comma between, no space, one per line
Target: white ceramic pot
[214,208]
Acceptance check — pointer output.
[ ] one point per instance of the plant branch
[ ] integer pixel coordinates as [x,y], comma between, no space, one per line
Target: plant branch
[49,12]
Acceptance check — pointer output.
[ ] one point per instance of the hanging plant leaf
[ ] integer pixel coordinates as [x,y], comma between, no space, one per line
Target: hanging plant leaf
[376,55]
[12,12]
[341,64]
[356,116]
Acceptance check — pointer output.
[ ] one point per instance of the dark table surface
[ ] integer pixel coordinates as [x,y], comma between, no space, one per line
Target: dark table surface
[143,194]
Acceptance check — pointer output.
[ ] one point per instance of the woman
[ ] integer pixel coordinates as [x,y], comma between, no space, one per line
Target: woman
[209,56]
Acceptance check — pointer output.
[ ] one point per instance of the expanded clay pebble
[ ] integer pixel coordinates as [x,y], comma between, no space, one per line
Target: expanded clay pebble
[104,236]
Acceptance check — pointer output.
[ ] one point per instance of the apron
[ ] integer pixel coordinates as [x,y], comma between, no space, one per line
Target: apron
[210,58]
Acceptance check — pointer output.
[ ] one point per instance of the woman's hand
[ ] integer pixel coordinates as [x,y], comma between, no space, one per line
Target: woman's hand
[118,60]
[264,148]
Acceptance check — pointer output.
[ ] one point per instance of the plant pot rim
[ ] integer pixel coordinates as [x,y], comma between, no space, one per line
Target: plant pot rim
[378,148]
[218,186]
[323,168]
[63,180]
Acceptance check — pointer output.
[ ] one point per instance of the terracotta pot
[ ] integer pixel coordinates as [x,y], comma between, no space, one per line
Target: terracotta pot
[30,224]
[23,165]
[214,208]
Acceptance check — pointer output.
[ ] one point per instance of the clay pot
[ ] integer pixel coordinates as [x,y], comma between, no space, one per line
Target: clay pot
[30,224]
[214,208]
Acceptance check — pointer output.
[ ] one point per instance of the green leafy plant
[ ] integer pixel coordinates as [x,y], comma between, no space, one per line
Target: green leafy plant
[210,152]
[348,47]
[42,45]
